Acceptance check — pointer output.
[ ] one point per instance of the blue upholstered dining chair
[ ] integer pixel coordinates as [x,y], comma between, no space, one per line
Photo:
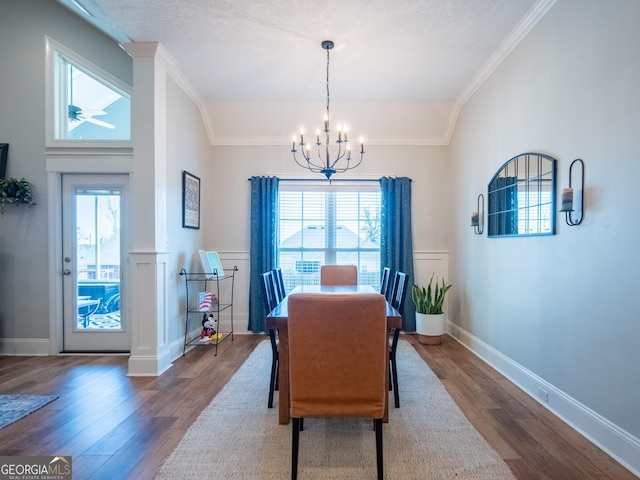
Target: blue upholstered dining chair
[278,282]
[270,302]
[397,296]
[384,282]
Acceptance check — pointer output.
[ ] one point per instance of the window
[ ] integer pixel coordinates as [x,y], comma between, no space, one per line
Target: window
[88,104]
[325,228]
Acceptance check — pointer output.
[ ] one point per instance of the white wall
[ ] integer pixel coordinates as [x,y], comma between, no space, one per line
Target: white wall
[24,232]
[187,149]
[228,226]
[562,307]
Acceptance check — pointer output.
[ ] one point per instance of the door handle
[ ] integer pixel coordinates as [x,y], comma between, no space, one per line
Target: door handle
[66,271]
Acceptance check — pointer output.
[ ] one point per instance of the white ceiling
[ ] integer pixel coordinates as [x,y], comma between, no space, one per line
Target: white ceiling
[400,70]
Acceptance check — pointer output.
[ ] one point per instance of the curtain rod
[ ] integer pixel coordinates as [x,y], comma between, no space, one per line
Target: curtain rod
[331,181]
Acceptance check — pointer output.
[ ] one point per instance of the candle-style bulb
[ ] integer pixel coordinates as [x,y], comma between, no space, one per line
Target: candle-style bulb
[567,199]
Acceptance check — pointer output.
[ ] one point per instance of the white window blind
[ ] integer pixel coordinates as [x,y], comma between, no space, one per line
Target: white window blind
[337,227]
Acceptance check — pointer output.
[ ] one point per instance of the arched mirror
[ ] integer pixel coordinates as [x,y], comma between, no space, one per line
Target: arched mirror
[521,198]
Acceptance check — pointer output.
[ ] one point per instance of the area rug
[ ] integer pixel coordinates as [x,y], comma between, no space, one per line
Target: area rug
[428,437]
[15,407]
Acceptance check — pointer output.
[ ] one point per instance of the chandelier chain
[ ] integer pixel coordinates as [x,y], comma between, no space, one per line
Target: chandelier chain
[327,82]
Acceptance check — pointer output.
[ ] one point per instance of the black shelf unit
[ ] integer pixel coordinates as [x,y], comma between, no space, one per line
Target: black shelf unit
[203,282]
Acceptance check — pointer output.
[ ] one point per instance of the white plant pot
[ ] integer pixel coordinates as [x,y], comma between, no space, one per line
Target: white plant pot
[430,328]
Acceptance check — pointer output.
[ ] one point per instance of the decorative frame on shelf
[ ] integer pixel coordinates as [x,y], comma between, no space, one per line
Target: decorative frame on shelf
[190,200]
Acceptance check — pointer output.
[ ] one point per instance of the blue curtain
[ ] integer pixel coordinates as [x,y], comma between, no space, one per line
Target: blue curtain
[396,244]
[264,242]
[503,206]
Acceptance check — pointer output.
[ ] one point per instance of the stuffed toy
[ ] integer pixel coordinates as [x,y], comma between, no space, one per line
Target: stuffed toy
[208,324]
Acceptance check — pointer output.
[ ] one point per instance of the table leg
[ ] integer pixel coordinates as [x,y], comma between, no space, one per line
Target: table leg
[283,376]
[385,418]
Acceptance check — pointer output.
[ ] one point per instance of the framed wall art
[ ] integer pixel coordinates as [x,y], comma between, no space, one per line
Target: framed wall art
[4,152]
[215,264]
[190,200]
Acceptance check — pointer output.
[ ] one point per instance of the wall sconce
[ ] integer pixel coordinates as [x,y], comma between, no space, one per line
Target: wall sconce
[567,195]
[477,217]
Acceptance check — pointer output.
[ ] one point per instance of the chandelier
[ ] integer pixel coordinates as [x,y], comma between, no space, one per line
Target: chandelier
[325,163]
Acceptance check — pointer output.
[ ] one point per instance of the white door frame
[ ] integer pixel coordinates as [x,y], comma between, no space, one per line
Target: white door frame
[115,162]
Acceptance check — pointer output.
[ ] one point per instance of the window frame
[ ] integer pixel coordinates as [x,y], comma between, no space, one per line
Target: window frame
[56,97]
[331,250]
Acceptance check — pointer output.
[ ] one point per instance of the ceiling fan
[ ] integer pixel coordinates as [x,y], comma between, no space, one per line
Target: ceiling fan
[77,114]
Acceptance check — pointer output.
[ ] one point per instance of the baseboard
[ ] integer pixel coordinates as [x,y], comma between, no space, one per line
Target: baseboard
[150,365]
[25,346]
[616,442]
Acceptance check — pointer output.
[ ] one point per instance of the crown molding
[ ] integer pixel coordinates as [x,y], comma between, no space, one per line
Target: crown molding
[281,142]
[536,13]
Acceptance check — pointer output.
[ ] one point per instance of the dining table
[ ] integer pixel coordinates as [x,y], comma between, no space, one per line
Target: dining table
[277,320]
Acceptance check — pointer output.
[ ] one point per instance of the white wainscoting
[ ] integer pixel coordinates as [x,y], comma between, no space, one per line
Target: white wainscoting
[240,291]
[426,264]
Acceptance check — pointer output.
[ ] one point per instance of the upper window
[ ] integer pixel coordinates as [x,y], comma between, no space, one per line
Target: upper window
[328,227]
[88,104]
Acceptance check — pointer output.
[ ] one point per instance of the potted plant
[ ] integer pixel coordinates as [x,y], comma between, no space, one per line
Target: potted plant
[430,324]
[15,191]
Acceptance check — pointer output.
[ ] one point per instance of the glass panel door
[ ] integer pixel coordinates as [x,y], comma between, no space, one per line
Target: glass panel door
[92,259]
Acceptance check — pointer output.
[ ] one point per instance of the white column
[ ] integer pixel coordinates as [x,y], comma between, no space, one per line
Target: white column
[148,258]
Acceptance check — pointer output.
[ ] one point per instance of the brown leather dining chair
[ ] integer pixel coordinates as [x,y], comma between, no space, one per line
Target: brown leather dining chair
[338,354]
[338,275]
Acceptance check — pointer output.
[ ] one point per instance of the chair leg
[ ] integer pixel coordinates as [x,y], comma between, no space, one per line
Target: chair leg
[394,367]
[272,381]
[379,462]
[394,373]
[294,448]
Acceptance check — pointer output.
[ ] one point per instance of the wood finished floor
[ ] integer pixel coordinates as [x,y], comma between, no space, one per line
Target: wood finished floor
[117,427]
